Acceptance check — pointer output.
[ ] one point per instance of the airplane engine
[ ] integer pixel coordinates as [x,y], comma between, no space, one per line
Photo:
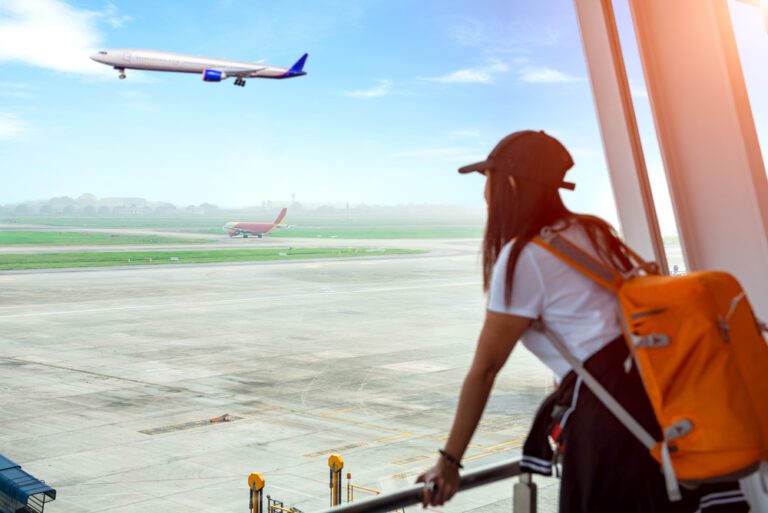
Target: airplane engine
[232,233]
[211,75]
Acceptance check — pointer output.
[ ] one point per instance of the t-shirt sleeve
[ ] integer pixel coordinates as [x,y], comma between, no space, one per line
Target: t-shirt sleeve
[528,293]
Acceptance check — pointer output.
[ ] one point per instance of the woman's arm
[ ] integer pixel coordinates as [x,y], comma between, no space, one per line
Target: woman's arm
[497,339]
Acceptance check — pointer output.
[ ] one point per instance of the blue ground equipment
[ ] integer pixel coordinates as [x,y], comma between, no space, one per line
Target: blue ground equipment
[20,492]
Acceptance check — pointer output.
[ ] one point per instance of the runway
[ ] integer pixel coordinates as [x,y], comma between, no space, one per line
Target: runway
[107,376]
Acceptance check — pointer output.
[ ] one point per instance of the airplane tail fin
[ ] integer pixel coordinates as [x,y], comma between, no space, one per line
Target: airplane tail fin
[298,67]
[297,70]
[281,216]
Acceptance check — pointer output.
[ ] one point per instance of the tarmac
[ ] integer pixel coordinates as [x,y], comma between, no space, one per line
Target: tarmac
[108,379]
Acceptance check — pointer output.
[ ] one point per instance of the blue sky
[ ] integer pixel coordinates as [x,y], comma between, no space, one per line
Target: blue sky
[399,94]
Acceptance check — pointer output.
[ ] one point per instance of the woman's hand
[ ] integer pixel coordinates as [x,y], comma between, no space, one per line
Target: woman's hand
[444,477]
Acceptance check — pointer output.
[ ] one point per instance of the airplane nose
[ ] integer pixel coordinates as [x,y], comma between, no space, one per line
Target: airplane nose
[95,57]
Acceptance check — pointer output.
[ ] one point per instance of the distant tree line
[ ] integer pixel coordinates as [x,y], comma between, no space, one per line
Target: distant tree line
[88,205]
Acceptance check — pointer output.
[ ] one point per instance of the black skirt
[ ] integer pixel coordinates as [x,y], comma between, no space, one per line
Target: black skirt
[604,467]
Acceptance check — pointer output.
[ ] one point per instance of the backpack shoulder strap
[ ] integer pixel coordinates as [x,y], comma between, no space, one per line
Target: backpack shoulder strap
[580,260]
[678,429]
[594,385]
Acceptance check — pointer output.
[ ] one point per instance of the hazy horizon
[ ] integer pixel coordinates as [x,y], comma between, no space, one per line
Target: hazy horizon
[266,203]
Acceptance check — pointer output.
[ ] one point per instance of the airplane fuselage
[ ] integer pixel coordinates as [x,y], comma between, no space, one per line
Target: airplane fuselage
[213,70]
[257,229]
[246,229]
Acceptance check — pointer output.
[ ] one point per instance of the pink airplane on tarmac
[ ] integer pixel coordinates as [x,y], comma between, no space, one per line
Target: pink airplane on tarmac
[256,229]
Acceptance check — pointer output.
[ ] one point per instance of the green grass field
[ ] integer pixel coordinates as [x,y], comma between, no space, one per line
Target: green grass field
[15,237]
[143,258]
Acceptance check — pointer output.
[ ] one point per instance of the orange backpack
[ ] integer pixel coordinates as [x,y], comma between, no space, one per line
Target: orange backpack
[703,362]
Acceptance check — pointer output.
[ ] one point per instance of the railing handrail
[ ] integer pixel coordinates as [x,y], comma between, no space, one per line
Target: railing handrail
[412,494]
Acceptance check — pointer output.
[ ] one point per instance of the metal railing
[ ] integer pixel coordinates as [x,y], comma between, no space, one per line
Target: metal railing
[524,500]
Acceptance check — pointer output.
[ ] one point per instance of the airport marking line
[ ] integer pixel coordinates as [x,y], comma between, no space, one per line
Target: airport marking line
[357,445]
[497,449]
[170,491]
[487,451]
[413,459]
[401,435]
[401,476]
[495,423]
[189,305]
[333,415]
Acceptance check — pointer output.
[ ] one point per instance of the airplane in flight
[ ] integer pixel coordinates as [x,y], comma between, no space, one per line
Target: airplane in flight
[212,70]
[236,228]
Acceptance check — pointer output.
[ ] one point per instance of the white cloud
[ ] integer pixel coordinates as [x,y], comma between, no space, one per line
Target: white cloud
[11,126]
[449,154]
[112,16]
[502,37]
[471,33]
[478,75]
[382,89]
[547,76]
[54,35]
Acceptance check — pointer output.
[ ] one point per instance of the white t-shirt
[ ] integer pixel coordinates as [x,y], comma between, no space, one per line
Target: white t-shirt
[579,311]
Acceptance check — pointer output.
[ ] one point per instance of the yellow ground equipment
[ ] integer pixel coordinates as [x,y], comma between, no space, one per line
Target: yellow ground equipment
[335,466]
[256,485]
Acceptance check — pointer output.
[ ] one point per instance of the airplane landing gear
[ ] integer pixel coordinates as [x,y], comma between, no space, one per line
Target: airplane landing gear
[121,76]
[240,82]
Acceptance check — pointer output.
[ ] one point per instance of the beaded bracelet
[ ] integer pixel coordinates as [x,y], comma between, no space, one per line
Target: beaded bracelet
[450,459]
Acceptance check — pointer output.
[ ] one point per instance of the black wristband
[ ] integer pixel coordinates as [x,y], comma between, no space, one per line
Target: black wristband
[450,459]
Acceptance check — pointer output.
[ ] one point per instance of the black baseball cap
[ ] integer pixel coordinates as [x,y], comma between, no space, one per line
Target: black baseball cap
[529,155]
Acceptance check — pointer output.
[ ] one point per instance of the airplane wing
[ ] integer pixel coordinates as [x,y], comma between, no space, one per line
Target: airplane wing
[241,72]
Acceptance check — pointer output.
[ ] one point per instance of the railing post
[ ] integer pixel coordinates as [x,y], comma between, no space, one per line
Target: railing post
[524,495]
[256,484]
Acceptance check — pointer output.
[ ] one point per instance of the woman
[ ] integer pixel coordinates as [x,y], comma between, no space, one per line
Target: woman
[604,467]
